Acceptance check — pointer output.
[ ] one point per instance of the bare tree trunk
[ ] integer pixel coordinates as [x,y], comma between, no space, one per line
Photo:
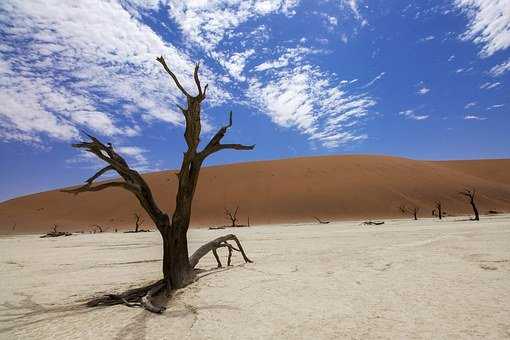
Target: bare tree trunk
[475,210]
[471,195]
[177,269]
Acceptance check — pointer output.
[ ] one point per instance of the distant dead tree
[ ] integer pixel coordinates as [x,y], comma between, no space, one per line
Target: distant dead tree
[320,221]
[412,211]
[470,193]
[438,210]
[178,266]
[98,228]
[138,221]
[232,216]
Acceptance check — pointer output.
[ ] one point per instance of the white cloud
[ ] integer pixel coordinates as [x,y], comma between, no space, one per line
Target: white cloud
[470,104]
[500,69]
[353,5]
[463,70]
[489,24]
[427,38]
[344,38]
[379,77]
[234,63]
[423,90]
[205,23]
[410,114]
[312,102]
[87,64]
[495,106]
[451,58]
[489,85]
[290,55]
[134,152]
[474,117]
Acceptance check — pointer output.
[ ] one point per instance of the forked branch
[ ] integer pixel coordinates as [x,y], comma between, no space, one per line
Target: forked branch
[131,179]
[215,145]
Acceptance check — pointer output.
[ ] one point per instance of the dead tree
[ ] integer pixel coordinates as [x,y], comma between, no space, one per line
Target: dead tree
[232,216]
[139,220]
[471,195]
[412,211]
[98,228]
[438,210]
[178,266]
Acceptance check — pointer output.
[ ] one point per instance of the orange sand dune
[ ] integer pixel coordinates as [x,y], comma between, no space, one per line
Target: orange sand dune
[281,191]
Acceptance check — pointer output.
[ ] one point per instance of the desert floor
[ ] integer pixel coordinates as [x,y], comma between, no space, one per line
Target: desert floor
[405,279]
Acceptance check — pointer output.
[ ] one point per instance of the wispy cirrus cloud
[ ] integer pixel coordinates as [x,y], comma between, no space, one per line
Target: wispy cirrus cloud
[488,85]
[470,104]
[411,114]
[423,90]
[500,69]
[474,117]
[489,24]
[88,64]
[313,102]
[206,23]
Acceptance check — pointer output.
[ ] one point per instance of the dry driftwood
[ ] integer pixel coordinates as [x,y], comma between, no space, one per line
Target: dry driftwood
[56,233]
[372,223]
[321,221]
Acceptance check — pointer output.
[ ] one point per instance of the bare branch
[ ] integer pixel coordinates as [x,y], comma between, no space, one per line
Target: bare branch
[99,173]
[197,81]
[88,187]
[165,66]
[214,144]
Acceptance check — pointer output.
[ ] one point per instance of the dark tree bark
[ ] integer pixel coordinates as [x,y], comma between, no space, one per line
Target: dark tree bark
[138,221]
[177,269]
[412,211]
[471,195]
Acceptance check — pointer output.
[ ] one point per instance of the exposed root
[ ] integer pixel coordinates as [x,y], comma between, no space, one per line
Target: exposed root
[142,297]
[138,297]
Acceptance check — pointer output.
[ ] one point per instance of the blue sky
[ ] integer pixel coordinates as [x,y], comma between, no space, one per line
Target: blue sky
[420,79]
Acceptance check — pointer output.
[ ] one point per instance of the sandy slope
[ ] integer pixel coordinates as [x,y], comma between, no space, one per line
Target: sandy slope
[338,187]
[406,280]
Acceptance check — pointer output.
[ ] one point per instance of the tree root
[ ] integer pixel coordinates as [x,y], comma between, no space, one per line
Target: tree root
[142,297]
[138,297]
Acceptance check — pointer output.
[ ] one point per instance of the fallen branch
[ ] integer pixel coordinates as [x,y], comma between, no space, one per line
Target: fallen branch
[56,233]
[372,223]
[320,221]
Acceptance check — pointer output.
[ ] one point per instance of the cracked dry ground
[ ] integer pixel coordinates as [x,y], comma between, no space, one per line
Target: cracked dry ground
[404,279]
